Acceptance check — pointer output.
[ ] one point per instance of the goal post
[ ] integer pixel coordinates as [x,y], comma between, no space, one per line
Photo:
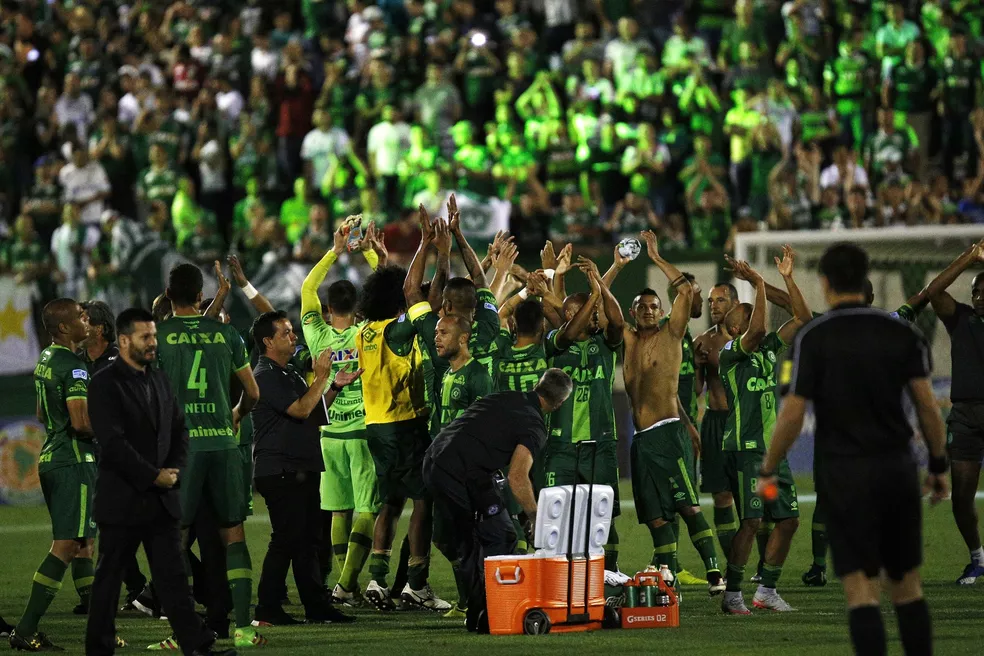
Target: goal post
[903,261]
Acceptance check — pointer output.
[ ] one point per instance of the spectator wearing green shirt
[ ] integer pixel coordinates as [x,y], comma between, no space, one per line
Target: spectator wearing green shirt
[709,214]
[848,79]
[631,215]
[24,256]
[575,222]
[43,200]
[744,29]
[739,124]
[685,51]
[910,88]
[590,88]
[472,163]
[888,148]
[621,52]
[420,159]
[650,159]
[893,37]
[959,89]
[295,213]
[187,214]
[159,181]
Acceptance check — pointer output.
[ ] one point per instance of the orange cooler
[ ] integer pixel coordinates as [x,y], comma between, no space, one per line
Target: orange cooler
[528,594]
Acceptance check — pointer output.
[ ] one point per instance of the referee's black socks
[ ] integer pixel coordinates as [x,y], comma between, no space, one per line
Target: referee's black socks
[915,628]
[867,631]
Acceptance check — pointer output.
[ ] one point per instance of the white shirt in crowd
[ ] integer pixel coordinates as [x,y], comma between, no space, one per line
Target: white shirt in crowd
[559,12]
[320,146]
[230,103]
[129,107]
[265,63]
[831,177]
[82,185]
[79,112]
[73,265]
[385,142]
[211,168]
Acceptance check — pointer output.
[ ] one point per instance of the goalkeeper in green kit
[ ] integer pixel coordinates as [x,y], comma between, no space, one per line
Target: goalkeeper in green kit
[348,484]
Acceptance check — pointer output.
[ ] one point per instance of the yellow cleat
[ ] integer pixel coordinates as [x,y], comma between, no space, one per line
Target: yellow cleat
[246,638]
[456,612]
[686,578]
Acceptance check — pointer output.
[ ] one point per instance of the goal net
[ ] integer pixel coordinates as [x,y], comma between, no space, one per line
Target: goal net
[903,261]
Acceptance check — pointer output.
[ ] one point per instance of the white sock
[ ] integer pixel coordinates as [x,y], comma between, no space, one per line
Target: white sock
[977,556]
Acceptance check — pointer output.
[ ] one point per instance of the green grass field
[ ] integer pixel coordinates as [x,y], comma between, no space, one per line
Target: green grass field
[818,627]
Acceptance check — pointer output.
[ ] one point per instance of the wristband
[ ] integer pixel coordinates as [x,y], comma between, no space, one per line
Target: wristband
[679,281]
[334,387]
[250,291]
[937,465]
[524,293]
[765,474]
[549,273]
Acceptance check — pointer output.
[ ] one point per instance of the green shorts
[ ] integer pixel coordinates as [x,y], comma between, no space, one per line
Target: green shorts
[218,477]
[246,455]
[561,466]
[742,468]
[662,458]
[68,493]
[398,452]
[349,479]
[712,476]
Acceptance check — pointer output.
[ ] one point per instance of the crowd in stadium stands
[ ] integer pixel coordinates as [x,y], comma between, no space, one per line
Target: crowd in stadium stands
[256,125]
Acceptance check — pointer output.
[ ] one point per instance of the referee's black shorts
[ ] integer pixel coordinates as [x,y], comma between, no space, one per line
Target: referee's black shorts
[874,514]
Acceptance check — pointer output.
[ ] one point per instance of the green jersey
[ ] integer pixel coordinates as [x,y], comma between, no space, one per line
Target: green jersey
[588,413]
[750,383]
[461,388]
[60,377]
[199,356]
[347,415]
[517,369]
[158,185]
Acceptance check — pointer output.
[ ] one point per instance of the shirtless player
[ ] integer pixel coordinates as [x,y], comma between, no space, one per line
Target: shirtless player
[661,453]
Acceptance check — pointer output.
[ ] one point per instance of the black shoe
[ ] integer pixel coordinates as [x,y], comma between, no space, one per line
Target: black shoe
[36,642]
[329,615]
[273,617]
[5,629]
[214,652]
[146,602]
[81,609]
[219,628]
[128,601]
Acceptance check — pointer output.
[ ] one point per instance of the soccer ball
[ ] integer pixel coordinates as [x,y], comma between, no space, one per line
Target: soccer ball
[630,248]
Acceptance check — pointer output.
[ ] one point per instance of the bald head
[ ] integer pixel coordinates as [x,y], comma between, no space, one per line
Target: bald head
[451,336]
[63,320]
[736,321]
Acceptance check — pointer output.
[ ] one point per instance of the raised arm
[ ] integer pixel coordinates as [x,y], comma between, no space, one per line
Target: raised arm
[442,240]
[310,302]
[415,275]
[561,267]
[680,312]
[943,304]
[472,263]
[800,310]
[218,302]
[502,264]
[617,265]
[579,323]
[753,335]
[615,324]
[258,300]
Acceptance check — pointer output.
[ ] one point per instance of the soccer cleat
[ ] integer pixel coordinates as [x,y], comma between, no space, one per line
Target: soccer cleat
[769,599]
[715,583]
[424,598]
[816,577]
[456,612]
[686,578]
[734,604]
[245,638]
[146,602]
[167,644]
[343,597]
[971,573]
[5,629]
[379,597]
[121,643]
[36,642]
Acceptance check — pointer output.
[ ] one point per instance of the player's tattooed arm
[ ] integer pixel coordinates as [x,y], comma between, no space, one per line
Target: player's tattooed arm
[258,300]
[680,311]
[415,275]
[215,307]
[943,303]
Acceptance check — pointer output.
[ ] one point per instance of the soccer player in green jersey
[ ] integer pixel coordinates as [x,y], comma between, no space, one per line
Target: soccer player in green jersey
[747,369]
[662,453]
[588,357]
[466,380]
[520,356]
[66,467]
[200,356]
[348,484]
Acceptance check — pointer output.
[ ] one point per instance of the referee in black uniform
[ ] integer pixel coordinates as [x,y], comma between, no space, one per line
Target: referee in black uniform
[853,363]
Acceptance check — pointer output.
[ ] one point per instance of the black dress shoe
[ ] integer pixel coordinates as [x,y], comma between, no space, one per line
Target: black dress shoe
[265,616]
[328,614]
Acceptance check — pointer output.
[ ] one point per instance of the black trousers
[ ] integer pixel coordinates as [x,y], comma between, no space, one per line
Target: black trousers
[161,538]
[474,533]
[293,500]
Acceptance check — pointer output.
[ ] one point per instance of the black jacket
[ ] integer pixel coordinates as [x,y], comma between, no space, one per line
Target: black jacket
[140,429]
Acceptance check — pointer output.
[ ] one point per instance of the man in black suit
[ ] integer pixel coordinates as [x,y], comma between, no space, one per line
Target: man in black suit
[144,443]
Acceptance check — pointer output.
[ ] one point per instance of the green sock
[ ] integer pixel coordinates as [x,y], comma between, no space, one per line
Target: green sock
[675,565]
[735,575]
[664,546]
[726,525]
[611,550]
[341,528]
[47,582]
[379,566]
[359,546]
[83,572]
[522,546]
[239,570]
[762,540]
[460,583]
[417,572]
[819,535]
[703,538]
[770,575]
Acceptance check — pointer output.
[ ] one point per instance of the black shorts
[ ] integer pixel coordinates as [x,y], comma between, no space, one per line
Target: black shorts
[965,434]
[874,514]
